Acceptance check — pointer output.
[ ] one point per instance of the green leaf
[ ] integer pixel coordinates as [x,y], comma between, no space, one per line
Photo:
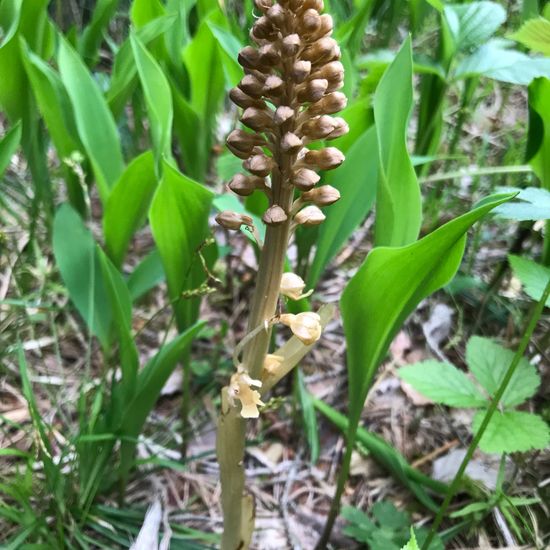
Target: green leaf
[389,516]
[488,362]
[412,544]
[77,259]
[127,206]
[535,35]
[387,289]
[399,204]
[308,414]
[95,124]
[150,382]
[538,148]
[356,181]
[179,222]
[92,36]
[124,75]
[144,11]
[495,60]
[8,146]
[474,23]
[532,275]
[146,276]
[531,203]
[513,432]
[158,99]
[443,383]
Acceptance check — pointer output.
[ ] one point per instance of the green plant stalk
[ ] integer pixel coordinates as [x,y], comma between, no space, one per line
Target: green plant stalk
[491,171]
[546,246]
[455,485]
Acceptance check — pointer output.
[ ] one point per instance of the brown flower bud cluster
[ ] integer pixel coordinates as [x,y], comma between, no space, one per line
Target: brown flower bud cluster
[289,91]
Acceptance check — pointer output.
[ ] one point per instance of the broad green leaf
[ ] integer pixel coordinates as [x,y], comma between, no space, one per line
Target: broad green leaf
[356,181]
[497,61]
[532,275]
[8,145]
[535,35]
[398,204]
[121,306]
[157,98]
[531,203]
[489,361]
[77,259]
[309,417]
[92,36]
[443,383]
[150,382]
[144,11]
[127,206]
[146,276]
[95,124]
[360,118]
[179,222]
[512,432]
[538,149]
[387,515]
[387,289]
[474,23]
[229,47]
[53,102]
[124,76]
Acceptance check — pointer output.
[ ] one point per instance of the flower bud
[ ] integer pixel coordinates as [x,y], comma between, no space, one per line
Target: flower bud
[311,22]
[292,286]
[341,128]
[269,55]
[305,326]
[245,185]
[242,143]
[257,119]
[276,14]
[233,221]
[263,29]
[291,143]
[274,86]
[326,28]
[310,216]
[239,98]
[259,165]
[282,115]
[300,71]
[249,58]
[318,127]
[325,159]
[263,5]
[295,5]
[322,196]
[251,86]
[312,91]
[275,216]
[330,104]
[304,179]
[291,45]
[317,5]
[333,72]
[324,50]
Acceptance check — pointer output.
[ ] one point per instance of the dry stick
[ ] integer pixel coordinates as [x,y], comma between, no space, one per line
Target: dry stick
[455,485]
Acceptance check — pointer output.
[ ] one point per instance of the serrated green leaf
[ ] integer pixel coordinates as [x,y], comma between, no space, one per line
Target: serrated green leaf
[513,432]
[387,515]
[495,60]
[398,204]
[128,204]
[535,35]
[412,544]
[443,383]
[532,275]
[474,23]
[488,362]
[531,203]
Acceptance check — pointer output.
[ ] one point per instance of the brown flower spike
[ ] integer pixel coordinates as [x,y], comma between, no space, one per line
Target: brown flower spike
[287,96]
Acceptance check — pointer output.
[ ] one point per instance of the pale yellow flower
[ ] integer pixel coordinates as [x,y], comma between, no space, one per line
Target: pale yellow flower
[240,387]
[292,286]
[305,326]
